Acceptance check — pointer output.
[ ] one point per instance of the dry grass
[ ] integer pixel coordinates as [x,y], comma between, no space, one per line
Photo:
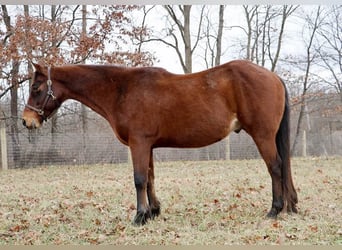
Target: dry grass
[217,202]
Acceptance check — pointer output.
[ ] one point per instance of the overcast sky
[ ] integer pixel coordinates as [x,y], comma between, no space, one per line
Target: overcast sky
[234,16]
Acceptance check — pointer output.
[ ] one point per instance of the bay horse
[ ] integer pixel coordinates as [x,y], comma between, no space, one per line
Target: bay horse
[149,107]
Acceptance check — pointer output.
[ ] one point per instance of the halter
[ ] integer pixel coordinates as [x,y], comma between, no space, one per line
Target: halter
[49,93]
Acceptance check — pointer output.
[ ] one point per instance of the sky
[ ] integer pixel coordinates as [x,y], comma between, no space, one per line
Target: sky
[233,16]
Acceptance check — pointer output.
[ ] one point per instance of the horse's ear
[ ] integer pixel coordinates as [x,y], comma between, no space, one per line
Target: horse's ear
[35,66]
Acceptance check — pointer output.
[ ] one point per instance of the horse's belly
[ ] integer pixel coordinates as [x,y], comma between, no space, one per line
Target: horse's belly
[199,134]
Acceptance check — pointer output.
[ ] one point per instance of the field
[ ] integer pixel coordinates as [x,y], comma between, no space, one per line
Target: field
[216,202]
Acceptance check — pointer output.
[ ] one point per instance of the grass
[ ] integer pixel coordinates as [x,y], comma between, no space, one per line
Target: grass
[216,202]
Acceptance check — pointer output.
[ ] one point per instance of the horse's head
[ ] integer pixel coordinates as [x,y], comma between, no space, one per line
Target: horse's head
[43,99]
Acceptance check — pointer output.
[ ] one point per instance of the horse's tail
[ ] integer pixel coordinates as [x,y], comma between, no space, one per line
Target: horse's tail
[283,148]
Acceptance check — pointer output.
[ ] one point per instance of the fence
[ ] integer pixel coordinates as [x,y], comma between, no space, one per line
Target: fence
[41,149]
[101,148]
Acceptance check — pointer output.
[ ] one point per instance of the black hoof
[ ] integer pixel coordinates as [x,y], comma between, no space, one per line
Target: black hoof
[141,218]
[292,209]
[272,214]
[155,212]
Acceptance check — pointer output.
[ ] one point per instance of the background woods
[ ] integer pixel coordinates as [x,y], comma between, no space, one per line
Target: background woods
[303,44]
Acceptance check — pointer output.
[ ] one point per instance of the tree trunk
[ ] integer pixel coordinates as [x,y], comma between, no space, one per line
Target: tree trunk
[187,40]
[83,107]
[13,81]
[309,60]
[219,37]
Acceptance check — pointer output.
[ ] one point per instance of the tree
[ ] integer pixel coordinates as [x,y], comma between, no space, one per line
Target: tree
[264,38]
[179,29]
[313,22]
[330,47]
[286,12]
[213,44]
[12,77]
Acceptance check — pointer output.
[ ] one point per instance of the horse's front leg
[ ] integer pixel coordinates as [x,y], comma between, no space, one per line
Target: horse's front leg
[141,158]
[151,193]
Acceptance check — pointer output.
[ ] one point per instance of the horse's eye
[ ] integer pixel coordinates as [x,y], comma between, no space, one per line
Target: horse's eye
[35,87]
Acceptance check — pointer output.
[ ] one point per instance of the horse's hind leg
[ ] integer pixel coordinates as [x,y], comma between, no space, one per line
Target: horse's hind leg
[151,193]
[268,150]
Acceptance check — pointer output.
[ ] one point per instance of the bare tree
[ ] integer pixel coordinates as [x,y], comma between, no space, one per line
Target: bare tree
[264,38]
[84,33]
[178,33]
[219,36]
[213,33]
[250,14]
[330,48]
[12,78]
[54,45]
[287,11]
[313,22]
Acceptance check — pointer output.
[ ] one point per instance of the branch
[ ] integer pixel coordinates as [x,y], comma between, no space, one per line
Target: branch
[175,19]
[12,86]
[198,38]
[69,28]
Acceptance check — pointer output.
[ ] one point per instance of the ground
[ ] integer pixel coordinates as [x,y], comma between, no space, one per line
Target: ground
[206,202]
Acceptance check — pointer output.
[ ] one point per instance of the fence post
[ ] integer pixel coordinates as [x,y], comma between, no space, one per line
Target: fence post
[129,156]
[304,143]
[228,148]
[4,161]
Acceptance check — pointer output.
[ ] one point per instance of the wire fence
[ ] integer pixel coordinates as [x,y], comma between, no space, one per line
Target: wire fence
[27,150]
[31,150]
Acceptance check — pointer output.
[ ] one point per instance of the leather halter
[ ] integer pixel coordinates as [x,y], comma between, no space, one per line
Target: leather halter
[49,94]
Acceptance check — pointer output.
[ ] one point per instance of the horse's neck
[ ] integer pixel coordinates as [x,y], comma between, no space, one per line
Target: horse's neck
[89,89]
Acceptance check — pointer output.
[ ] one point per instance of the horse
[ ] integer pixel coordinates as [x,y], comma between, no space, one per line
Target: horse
[149,107]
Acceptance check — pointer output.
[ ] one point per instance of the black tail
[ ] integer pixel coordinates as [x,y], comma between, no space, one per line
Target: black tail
[283,147]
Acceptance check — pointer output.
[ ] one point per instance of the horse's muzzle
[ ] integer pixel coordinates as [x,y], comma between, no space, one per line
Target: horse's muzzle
[31,120]
[33,124]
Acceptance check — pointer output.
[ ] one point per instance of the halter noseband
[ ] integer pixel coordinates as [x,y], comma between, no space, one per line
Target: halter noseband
[49,93]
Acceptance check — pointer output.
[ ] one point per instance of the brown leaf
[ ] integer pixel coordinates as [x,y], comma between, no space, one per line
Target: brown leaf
[313,229]
[291,236]
[238,195]
[15,228]
[276,224]
[233,206]
[97,222]
[90,194]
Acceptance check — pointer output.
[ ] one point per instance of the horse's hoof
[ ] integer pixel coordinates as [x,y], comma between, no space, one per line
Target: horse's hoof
[155,212]
[292,209]
[272,214]
[141,218]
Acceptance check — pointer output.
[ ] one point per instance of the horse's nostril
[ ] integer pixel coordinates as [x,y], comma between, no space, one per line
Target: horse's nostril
[24,123]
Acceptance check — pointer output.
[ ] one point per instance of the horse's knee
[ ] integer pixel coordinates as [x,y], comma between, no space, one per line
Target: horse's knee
[140,181]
